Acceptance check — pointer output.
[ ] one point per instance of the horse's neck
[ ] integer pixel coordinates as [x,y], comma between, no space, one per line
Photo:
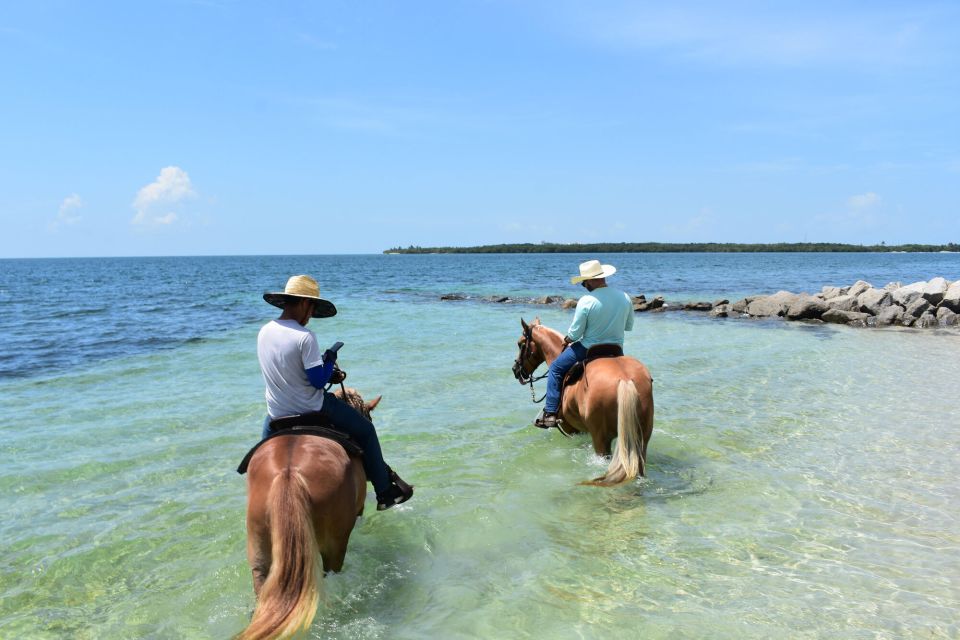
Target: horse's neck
[551,343]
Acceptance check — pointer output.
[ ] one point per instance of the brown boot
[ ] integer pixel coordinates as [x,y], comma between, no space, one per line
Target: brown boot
[546,420]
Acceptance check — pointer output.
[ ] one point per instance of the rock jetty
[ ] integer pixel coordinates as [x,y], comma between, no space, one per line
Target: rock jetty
[934,303]
[925,304]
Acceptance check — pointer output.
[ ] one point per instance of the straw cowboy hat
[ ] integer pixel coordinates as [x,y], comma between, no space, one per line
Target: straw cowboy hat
[593,269]
[302,287]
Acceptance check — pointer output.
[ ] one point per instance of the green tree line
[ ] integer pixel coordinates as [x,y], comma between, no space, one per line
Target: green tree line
[681,247]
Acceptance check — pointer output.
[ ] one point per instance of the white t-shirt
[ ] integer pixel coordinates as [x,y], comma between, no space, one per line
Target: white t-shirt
[286,349]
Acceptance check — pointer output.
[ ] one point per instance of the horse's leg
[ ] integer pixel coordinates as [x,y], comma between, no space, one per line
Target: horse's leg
[601,443]
[258,552]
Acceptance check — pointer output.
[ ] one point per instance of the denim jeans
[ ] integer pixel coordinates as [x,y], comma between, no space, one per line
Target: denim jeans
[345,418]
[558,368]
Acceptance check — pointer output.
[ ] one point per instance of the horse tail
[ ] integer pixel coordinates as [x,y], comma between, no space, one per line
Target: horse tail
[627,461]
[288,598]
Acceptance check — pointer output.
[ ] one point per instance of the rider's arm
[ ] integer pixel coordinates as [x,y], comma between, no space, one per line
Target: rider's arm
[579,324]
[320,376]
[319,366]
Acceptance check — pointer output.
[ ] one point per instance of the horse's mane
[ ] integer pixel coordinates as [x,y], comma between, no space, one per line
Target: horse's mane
[353,398]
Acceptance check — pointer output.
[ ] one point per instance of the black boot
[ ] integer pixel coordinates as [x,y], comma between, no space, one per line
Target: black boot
[398,492]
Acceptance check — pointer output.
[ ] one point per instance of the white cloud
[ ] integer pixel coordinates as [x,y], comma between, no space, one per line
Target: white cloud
[863,201]
[66,214]
[764,36]
[155,201]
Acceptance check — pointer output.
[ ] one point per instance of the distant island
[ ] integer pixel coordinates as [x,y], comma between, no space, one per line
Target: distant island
[691,247]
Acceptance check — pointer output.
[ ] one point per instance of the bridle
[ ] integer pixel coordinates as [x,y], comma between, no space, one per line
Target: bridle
[520,364]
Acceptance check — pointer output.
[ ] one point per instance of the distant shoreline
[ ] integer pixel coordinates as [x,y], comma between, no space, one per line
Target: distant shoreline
[694,247]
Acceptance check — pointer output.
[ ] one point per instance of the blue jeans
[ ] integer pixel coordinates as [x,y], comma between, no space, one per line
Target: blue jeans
[558,368]
[345,418]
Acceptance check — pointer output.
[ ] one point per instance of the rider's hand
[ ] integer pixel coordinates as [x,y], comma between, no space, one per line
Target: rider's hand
[338,376]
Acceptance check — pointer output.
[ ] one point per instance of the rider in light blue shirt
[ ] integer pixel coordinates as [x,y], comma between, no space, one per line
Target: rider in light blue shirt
[601,317]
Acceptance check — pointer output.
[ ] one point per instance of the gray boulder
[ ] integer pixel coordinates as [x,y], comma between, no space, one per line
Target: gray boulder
[773,305]
[859,287]
[844,303]
[904,296]
[806,307]
[740,306]
[935,290]
[892,286]
[698,306]
[837,316]
[951,298]
[873,300]
[946,317]
[720,311]
[890,315]
[569,303]
[832,292]
[927,320]
[918,307]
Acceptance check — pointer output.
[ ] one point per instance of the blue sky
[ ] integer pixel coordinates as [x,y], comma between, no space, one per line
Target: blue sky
[215,127]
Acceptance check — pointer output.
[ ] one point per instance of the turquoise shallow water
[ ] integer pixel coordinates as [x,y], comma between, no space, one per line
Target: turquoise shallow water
[801,479]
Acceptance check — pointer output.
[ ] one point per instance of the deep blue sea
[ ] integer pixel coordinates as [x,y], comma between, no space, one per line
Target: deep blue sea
[801,483]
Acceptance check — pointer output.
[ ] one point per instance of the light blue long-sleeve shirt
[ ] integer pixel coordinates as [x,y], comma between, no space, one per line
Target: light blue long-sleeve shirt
[601,317]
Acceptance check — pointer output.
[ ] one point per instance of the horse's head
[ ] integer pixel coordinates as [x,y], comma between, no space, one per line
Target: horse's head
[530,356]
[355,400]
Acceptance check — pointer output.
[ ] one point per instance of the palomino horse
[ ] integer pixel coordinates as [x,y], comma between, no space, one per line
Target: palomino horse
[613,399]
[304,494]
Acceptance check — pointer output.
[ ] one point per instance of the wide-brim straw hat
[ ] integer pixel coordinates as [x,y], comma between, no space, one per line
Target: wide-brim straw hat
[302,287]
[593,269]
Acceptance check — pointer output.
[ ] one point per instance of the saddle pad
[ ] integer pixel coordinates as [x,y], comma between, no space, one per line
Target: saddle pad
[351,447]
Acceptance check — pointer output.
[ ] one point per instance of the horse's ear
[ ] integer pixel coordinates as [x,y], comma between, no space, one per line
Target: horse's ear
[536,321]
[373,403]
[524,325]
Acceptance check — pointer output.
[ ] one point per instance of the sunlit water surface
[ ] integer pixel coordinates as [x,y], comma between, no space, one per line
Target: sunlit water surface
[802,480]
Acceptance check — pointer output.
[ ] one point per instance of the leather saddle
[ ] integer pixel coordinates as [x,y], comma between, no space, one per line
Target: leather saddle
[595,352]
[312,424]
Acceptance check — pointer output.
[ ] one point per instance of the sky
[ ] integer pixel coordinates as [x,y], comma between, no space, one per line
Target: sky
[213,127]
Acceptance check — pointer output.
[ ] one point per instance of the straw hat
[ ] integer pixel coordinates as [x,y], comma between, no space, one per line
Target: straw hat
[302,287]
[593,269]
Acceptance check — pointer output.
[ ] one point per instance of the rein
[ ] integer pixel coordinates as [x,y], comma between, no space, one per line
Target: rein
[524,352]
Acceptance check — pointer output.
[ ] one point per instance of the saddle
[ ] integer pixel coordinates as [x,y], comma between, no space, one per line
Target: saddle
[595,352]
[310,424]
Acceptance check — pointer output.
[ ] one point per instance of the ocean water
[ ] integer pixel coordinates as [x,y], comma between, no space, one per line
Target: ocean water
[801,479]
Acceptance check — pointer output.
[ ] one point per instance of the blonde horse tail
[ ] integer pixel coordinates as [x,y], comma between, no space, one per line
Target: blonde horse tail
[288,598]
[627,461]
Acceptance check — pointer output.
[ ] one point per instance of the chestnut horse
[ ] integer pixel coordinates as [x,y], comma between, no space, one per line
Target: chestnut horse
[613,399]
[304,494]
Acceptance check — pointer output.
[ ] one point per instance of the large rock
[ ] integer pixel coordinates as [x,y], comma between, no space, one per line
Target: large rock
[904,296]
[837,316]
[649,305]
[569,303]
[873,300]
[740,306]
[832,292]
[927,320]
[806,307]
[951,299]
[918,307]
[720,311]
[843,303]
[946,317]
[859,287]
[698,306]
[935,290]
[773,305]
[890,315]
[892,286]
